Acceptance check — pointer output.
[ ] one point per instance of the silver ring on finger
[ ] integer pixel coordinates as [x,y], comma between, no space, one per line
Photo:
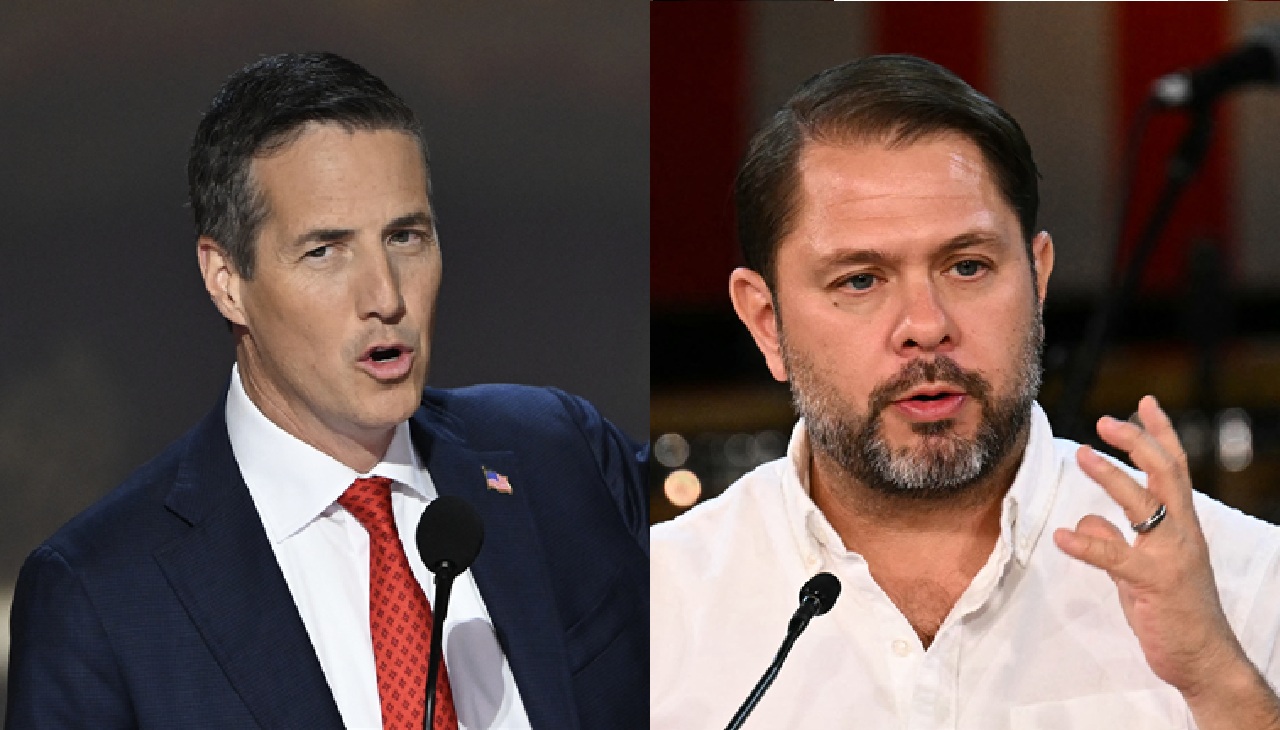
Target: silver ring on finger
[1150,523]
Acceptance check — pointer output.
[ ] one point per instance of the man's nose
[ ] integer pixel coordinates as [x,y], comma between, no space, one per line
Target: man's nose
[379,287]
[924,324]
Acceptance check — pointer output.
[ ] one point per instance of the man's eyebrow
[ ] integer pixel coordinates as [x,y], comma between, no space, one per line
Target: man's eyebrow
[857,257]
[876,257]
[420,218]
[969,239]
[333,235]
[322,235]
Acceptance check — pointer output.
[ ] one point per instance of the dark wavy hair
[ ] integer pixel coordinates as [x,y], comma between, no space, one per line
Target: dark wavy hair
[263,107]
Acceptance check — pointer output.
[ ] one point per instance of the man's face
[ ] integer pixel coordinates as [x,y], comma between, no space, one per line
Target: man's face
[337,317]
[906,314]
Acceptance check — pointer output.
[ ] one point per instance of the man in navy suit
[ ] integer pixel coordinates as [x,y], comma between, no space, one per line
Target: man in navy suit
[226,583]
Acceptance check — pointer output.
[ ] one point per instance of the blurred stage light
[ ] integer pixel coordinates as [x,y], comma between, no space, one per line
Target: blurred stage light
[767,446]
[671,450]
[682,488]
[738,449]
[1235,439]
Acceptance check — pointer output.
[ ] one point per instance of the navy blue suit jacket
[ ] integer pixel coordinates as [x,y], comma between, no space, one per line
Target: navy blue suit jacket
[163,606]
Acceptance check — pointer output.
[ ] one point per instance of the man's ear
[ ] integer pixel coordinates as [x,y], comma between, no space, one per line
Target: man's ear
[221,280]
[1042,251]
[753,301]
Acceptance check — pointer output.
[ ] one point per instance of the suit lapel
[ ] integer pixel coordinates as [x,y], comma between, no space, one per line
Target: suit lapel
[226,576]
[510,571]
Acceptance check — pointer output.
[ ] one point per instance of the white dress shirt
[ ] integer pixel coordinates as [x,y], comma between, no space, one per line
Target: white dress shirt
[323,552]
[1038,640]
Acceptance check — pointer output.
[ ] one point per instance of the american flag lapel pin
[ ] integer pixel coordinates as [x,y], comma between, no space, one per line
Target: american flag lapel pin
[495,481]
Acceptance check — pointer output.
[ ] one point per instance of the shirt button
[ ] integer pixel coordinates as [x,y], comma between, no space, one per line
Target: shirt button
[901,648]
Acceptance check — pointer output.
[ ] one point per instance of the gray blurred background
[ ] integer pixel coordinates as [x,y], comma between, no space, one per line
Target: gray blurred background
[537,118]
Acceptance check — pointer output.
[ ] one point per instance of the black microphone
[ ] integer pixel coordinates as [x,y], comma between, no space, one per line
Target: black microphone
[449,537]
[1256,61]
[817,596]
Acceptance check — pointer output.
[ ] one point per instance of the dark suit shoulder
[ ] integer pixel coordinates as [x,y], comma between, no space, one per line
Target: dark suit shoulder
[132,518]
[162,605]
[564,431]
[478,409]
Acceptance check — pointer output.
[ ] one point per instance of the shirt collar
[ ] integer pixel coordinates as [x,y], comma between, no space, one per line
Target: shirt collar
[1024,511]
[1034,488]
[813,534]
[294,483]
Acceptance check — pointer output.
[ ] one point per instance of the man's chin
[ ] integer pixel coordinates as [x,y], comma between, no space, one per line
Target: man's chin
[910,433]
[946,427]
[391,405]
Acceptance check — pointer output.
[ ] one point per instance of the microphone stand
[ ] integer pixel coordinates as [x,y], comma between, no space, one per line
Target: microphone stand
[444,575]
[1182,167]
[798,623]
[449,538]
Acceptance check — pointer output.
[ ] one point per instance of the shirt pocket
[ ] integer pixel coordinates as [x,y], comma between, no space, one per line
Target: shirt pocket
[1154,709]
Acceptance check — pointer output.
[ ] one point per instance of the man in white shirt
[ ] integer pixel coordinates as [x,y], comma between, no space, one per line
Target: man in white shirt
[993,577]
[263,571]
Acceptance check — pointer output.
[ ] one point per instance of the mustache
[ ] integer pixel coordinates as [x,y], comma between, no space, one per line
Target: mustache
[918,372]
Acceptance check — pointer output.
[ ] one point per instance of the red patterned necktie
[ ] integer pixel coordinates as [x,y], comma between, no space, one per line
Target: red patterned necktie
[399,616]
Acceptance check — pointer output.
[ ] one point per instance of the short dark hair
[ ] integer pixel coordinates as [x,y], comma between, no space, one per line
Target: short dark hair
[263,107]
[894,99]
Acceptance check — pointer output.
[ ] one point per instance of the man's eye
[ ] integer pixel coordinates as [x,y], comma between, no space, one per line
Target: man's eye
[318,252]
[969,268]
[860,282]
[406,237]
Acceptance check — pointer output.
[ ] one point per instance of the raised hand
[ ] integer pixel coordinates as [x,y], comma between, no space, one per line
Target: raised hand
[1164,578]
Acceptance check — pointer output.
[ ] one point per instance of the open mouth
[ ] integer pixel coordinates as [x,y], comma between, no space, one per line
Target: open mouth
[928,396]
[385,354]
[387,362]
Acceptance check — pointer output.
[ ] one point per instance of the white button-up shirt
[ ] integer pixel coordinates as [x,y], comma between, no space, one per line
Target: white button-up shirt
[323,552]
[1038,640]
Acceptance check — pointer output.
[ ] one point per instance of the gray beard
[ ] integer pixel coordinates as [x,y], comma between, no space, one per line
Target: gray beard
[945,463]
